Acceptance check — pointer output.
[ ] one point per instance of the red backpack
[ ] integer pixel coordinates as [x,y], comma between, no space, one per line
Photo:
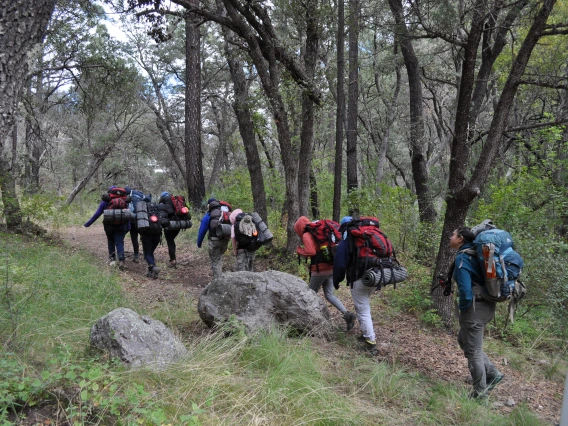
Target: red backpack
[368,244]
[327,235]
[117,199]
[180,207]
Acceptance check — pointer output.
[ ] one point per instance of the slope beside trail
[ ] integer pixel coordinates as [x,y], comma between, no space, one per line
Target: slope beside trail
[401,338]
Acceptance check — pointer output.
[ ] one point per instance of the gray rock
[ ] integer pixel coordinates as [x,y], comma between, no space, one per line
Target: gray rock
[137,340]
[262,299]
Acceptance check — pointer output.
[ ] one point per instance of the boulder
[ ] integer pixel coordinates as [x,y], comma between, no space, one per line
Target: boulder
[137,340]
[262,299]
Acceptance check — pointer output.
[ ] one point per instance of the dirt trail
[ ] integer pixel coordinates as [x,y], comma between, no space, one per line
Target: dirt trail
[401,339]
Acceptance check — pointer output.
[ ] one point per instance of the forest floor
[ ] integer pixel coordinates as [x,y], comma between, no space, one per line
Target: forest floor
[401,338]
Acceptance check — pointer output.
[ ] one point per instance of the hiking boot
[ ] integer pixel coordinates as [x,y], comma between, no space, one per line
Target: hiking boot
[172,264]
[153,272]
[111,261]
[349,318]
[136,258]
[121,265]
[479,396]
[368,345]
[494,382]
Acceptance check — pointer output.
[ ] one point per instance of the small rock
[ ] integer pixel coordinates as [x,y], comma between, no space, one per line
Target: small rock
[510,402]
[543,362]
[497,404]
[505,362]
[540,407]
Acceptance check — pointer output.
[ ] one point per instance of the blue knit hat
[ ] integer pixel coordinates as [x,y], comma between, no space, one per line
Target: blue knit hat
[210,200]
[164,194]
[345,219]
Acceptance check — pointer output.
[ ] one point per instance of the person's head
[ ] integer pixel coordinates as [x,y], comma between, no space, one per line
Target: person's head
[461,236]
[165,194]
[345,219]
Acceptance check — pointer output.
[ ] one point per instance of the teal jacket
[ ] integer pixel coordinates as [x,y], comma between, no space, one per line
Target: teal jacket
[467,271]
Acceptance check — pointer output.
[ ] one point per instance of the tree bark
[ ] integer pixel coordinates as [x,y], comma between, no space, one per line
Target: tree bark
[23,23]
[340,117]
[352,102]
[195,181]
[241,106]
[307,132]
[426,208]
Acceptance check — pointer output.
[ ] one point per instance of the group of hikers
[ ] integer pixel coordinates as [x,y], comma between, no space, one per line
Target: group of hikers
[356,249]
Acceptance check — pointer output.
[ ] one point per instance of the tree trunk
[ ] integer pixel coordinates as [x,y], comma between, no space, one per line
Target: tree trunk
[246,127]
[352,105]
[23,23]
[307,133]
[93,168]
[426,208]
[193,155]
[340,118]
[462,193]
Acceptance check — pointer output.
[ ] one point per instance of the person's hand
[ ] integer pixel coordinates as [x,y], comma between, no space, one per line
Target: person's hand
[85,226]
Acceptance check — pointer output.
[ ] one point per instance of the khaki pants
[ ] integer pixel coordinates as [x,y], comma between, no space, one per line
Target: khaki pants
[216,250]
[245,259]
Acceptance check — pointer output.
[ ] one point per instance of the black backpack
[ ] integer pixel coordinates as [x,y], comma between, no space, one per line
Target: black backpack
[245,241]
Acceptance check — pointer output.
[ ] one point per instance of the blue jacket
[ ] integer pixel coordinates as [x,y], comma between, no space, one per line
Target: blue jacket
[102,206]
[203,228]
[340,262]
[467,271]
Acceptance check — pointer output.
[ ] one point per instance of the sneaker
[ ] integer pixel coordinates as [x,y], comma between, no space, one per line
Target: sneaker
[136,258]
[349,318]
[494,382]
[121,265]
[369,345]
[112,263]
[172,264]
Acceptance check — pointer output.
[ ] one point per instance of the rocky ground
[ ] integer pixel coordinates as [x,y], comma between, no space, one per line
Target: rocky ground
[401,339]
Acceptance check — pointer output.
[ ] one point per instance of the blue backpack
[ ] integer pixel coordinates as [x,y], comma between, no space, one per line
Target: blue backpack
[135,197]
[500,263]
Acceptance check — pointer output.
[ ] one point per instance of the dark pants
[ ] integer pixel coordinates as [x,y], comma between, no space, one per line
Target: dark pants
[134,238]
[115,239]
[149,244]
[170,240]
[470,339]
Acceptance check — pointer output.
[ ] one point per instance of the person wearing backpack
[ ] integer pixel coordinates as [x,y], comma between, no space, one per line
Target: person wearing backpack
[170,235]
[218,213]
[244,239]
[135,197]
[474,314]
[150,232]
[321,271]
[345,266]
[115,234]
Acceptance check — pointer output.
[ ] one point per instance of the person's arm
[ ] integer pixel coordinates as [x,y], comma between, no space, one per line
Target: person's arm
[100,210]
[340,262]
[310,246]
[203,228]
[462,276]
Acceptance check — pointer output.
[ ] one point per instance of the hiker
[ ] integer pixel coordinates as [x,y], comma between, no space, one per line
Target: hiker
[244,256]
[474,313]
[150,228]
[321,271]
[135,197]
[115,234]
[217,214]
[170,235]
[343,266]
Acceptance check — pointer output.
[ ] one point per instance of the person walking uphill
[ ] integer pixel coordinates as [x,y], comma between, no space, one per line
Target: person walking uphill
[217,213]
[344,265]
[321,271]
[169,234]
[244,256]
[115,233]
[474,314]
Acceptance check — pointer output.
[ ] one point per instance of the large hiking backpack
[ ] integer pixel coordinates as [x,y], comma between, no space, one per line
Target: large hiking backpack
[219,212]
[327,236]
[181,209]
[501,265]
[135,197]
[149,218]
[372,256]
[116,198]
[246,232]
